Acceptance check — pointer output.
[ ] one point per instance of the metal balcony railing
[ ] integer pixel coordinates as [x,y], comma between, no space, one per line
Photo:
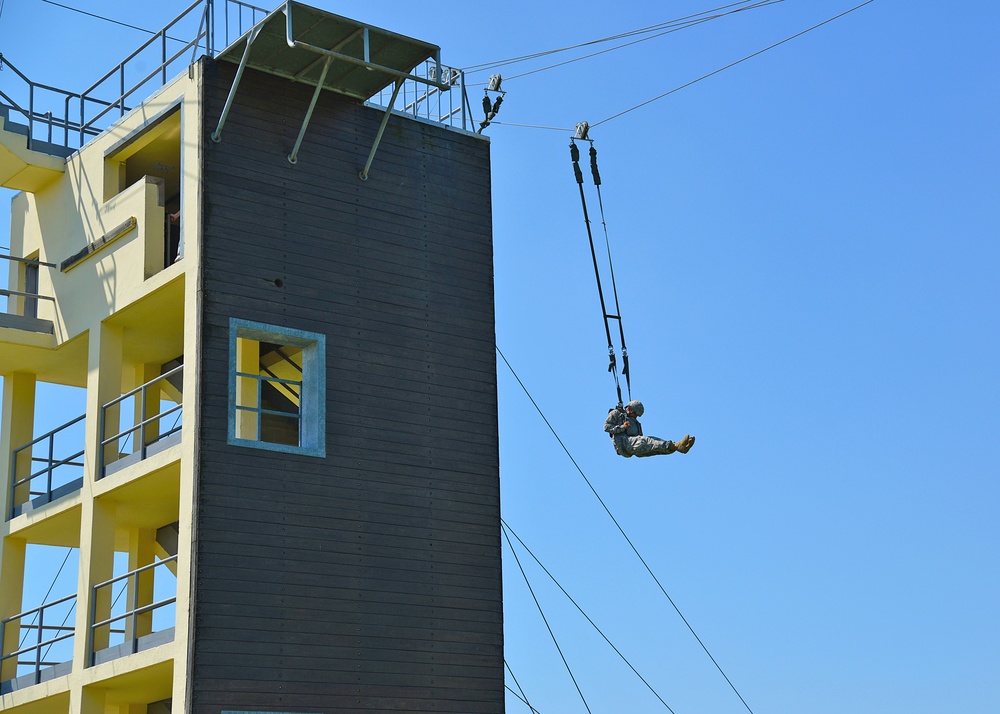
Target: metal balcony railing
[61,471]
[68,119]
[30,302]
[423,101]
[139,625]
[46,637]
[146,432]
[23,304]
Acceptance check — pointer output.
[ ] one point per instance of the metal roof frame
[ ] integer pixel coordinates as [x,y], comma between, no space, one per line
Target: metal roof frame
[327,51]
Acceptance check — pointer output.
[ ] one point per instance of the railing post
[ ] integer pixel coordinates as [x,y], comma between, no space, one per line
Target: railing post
[210,30]
[134,646]
[83,102]
[92,639]
[50,467]
[13,494]
[100,441]
[31,113]
[142,423]
[38,645]
[121,97]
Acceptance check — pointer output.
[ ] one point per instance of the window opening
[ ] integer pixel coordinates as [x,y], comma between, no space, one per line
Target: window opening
[277,388]
[153,151]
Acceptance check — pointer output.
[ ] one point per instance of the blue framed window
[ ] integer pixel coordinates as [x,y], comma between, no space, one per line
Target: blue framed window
[277,388]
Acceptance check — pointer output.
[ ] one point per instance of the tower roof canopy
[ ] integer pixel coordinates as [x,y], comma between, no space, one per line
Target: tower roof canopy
[295,41]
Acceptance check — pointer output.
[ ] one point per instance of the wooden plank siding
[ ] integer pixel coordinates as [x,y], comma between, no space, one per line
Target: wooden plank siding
[368,580]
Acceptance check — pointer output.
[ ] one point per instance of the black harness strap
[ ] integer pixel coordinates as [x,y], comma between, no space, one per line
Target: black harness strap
[611,265]
[612,366]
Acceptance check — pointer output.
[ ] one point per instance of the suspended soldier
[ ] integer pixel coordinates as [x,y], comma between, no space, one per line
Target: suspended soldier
[626,433]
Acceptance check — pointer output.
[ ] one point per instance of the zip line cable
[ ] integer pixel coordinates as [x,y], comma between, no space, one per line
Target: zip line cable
[622,531]
[733,64]
[522,696]
[535,55]
[701,78]
[546,621]
[100,17]
[679,23]
[577,606]
[69,552]
[111,20]
[763,3]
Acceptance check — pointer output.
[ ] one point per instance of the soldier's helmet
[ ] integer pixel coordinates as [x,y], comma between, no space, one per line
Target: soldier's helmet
[636,406]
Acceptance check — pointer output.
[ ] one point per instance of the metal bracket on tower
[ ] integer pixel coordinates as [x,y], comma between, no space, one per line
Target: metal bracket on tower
[378,137]
[217,134]
[293,157]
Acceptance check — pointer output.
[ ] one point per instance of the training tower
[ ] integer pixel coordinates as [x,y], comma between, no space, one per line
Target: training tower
[266,270]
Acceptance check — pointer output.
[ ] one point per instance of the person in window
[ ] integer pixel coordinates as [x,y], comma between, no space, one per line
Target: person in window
[173,250]
[626,433]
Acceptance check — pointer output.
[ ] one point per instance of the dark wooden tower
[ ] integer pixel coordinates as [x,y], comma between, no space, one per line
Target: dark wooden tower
[322,316]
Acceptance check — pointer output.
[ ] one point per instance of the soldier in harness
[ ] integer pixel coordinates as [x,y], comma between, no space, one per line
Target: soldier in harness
[626,432]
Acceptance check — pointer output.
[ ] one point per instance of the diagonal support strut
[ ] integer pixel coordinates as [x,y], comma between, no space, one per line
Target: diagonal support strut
[378,137]
[217,134]
[294,156]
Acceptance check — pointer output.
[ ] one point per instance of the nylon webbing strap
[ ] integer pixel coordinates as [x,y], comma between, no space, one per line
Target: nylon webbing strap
[611,265]
[612,366]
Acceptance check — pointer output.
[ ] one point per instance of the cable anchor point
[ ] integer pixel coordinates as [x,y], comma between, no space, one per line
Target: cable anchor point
[491,108]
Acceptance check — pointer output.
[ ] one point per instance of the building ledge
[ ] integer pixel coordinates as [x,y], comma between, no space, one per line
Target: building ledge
[28,680]
[57,493]
[27,324]
[23,169]
[146,642]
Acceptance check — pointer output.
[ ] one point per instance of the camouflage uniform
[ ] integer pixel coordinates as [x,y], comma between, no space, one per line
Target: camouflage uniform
[629,441]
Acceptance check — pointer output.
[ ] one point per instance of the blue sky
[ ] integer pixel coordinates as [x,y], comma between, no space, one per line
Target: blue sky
[806,249]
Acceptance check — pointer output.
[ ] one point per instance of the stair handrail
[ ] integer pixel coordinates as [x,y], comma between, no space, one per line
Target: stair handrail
[30,114]
[85,127]
[162,69]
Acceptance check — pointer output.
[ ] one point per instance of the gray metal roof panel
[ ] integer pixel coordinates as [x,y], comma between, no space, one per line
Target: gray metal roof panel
[317,33]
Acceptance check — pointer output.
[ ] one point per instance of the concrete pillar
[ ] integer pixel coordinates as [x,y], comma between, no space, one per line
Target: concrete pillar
[87,700]
[16,431]
[104,383]
[12,555]
[142,546]
[145,373]
[97,564]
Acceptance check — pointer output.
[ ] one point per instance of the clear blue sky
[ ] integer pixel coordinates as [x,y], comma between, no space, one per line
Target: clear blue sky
[806,247]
